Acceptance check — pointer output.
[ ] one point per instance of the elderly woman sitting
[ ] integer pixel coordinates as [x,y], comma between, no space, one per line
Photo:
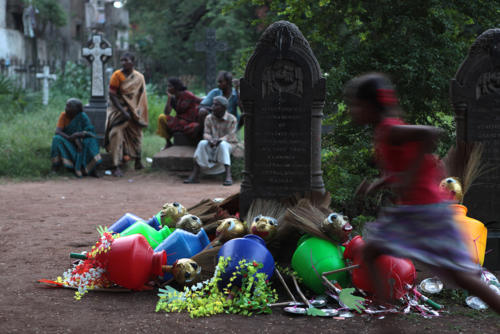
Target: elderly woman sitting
[74,145]
[213,153]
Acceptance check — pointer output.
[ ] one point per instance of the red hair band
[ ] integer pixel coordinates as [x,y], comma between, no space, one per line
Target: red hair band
[386,97]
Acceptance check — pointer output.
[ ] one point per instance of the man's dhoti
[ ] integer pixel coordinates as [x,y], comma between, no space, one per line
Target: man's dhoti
[212,159]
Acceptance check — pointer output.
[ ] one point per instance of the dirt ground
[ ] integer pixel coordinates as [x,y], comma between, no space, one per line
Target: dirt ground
[42,222]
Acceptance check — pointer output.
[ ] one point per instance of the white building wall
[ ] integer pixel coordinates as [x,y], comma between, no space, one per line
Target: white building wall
[3,10]
[12,44]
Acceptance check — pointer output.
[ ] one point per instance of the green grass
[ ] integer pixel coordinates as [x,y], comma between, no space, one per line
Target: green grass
[25,140]
[151,144]
[26,135]
[156,104]
[27,128]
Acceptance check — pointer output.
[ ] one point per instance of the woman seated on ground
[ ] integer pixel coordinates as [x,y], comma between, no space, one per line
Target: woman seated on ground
[74,145]
[186,119]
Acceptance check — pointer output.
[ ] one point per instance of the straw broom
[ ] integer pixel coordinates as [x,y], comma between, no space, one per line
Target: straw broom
[463,162]
[306,218]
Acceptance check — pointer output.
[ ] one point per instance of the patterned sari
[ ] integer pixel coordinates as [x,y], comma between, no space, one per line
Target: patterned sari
[64,152]
[124,137]
[186,118]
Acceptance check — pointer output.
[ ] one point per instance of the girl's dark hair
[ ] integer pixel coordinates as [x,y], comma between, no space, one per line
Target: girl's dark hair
[177,84]
[128,55]
[75,104]
[227,76]
[375,88]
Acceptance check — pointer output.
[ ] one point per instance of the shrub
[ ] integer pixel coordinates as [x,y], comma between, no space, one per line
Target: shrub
[14,99]
[156,104]
[73,81]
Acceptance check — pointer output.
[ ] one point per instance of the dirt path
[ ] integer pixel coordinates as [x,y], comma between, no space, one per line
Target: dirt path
[41,222]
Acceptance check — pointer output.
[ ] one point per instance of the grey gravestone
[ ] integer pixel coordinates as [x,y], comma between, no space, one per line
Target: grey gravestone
[210,46]
[97,52]
[283,94]
[46,76]
[475,95]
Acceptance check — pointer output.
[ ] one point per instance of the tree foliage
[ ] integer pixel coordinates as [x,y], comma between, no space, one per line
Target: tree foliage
[49,12]
[165,33]
[420,44]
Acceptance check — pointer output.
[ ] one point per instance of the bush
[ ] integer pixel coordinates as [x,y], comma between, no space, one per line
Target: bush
[15,100]
[347,158]
[73,81]
[156,104]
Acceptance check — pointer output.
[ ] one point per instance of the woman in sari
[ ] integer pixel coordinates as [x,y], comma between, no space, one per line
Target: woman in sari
[186,119]
[74,145]
[127,114]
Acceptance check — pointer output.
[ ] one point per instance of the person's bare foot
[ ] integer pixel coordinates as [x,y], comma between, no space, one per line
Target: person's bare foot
[228,181]
[138,164]
[191,180]
[194,177]
[167,145]
[117,172]
[54,170]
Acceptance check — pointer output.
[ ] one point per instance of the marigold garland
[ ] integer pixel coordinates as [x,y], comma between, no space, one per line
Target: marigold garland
[90,273]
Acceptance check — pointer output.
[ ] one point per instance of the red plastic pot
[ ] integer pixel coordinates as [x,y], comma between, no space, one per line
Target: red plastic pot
[131,262]
[395,272]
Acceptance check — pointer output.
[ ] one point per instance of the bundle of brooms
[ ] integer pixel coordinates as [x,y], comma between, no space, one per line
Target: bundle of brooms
[290,225]
[463,162]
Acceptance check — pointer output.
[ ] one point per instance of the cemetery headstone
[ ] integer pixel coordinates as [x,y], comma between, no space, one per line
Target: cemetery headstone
[46,76]
[210,46]
[475,95]
[283,94]
[97,52]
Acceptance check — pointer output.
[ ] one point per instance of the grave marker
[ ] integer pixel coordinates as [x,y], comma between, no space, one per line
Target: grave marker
[475,95]
[46,76]
[97,52]
[210,46]
[283,94]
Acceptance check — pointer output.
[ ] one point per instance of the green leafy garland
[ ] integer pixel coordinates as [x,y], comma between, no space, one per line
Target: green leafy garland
[205,299]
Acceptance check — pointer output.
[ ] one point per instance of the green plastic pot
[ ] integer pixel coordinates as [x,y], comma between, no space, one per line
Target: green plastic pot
[315,256]
[153,236]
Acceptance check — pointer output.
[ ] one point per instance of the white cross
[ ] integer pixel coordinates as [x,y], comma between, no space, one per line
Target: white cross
[94,55]
[46,76]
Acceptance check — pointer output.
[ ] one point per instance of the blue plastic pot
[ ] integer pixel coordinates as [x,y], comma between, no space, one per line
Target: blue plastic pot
[182,244]
[155,222]
[251,248]
[124,222]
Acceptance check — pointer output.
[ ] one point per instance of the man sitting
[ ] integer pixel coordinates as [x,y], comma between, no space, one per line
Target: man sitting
[213,153]
[226,89]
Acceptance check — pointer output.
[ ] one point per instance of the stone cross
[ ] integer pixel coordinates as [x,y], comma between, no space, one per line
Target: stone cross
[46,76]
[210,46]
[97,53]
